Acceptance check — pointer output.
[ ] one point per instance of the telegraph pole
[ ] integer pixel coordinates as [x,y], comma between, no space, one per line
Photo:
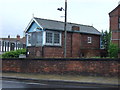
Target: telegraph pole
[65,30]
[65,39]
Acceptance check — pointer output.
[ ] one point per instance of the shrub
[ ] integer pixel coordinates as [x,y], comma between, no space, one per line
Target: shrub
[113,50]
[14,54]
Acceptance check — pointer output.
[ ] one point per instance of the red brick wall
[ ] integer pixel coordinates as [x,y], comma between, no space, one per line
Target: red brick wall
[75,42]
[82,67]
[35,51]
[114,27]
[95,41]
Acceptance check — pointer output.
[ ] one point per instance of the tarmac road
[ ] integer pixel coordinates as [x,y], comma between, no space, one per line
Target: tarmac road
[21,84]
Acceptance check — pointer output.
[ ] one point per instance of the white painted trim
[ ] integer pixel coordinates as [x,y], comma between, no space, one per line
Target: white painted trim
[90,39]
[44,37]
[33,19]
[52,44]
[115,39]
[38,23]
[28,25]
[27,39]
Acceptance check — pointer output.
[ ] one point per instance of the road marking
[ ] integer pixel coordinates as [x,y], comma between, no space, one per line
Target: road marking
[24,82]
[37,83]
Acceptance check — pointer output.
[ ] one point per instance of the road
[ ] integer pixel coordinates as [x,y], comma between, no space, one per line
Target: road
[22,84]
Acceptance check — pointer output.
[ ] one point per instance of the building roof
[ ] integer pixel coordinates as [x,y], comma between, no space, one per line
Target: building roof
[115,9]
[59,26]
[22,40]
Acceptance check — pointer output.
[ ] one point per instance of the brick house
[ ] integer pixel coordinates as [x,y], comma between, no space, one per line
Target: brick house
[11,44]
[115,25]
[45,38]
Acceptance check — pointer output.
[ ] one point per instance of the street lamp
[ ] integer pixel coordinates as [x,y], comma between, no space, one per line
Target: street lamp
[65,23]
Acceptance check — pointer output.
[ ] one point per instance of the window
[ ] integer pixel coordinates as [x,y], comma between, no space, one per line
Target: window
[56,38]
[49,37]
[0,47]
[119,23]
[89,39]
[34,39]
[28,40]
[8,46]
[53,38]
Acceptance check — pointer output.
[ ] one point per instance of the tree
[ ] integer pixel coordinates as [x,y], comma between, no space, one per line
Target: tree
[105,38]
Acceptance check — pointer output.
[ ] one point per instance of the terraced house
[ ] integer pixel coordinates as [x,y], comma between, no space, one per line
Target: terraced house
[45,38]
[11,44]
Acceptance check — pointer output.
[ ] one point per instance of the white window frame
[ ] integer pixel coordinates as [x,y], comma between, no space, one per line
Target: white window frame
[46,38]
[119,23]
[28,44]
[53,44]
[89,39]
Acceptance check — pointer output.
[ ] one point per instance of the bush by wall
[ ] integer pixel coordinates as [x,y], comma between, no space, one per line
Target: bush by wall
[14,54]
[113,50]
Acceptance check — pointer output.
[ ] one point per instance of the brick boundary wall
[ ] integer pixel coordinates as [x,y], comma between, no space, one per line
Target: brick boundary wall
[93,67]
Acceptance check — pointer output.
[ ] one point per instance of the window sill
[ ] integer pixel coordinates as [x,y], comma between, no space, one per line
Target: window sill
[52,45]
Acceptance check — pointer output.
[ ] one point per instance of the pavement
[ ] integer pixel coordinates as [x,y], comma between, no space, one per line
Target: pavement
[66,79]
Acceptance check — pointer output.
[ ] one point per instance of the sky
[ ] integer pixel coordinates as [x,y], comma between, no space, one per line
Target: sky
[15,15]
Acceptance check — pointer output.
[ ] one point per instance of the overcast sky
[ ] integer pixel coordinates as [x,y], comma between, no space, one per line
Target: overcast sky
[16,14]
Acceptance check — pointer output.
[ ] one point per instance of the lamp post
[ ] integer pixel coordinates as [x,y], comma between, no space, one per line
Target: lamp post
[65,24]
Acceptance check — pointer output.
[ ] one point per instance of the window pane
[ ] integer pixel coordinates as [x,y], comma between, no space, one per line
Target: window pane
[39,38]
[89,40]
[34,39]
[29,39]
[0,46]
[119,25]
[56,38]
[48,37]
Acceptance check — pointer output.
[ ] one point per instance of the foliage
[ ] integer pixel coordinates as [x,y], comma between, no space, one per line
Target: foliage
[106,36]
[113,50]
[14,54]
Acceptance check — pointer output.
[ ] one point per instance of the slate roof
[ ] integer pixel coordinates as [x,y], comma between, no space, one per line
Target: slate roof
[58,25]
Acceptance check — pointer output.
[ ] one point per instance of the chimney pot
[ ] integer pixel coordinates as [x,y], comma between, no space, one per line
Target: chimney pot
[75,28]
[18,37]
[8,36]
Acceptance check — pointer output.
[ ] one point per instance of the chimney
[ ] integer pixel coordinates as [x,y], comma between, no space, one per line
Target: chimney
[8,36]
[18,37]
[75,28]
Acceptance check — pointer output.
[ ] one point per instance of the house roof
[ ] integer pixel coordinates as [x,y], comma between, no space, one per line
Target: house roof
[59,26]
[22,40]
[115,9]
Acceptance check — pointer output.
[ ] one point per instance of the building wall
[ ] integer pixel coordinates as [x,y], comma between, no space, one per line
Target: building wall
[114,25]
[76,45]
[95,44]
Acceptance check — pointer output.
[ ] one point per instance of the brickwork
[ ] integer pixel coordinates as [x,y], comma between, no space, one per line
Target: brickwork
[95,42]
[114,25]
[75,42]
[35,51]
[80,67]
